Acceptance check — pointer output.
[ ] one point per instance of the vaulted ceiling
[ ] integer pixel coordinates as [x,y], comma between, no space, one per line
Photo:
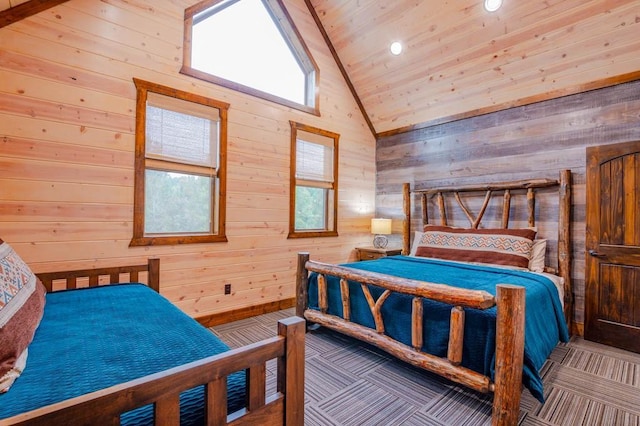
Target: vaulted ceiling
[460,60]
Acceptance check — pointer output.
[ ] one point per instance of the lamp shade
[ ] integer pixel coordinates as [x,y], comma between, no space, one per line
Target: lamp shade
[381,226]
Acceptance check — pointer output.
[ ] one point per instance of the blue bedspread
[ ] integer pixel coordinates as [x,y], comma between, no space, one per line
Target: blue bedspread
[90,339]
[545,324]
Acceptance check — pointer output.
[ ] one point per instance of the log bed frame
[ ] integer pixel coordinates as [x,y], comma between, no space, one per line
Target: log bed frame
[103,407]
[509,299]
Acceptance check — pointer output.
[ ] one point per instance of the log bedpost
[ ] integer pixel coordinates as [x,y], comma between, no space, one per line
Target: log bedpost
[406,223]
[510,301]
[302,284]
[564,244]
[291,369]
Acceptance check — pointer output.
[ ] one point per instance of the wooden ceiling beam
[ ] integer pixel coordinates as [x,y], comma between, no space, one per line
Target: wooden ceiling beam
[26,9]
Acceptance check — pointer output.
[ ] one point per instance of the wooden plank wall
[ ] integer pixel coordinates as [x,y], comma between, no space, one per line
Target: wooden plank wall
[67,104]
[534,140]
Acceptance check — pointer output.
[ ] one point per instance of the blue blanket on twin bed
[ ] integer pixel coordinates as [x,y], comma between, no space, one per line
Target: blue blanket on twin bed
[544,327]
[90,339]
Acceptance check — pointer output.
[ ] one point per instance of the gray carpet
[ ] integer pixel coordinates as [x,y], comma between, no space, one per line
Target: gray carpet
[351,383]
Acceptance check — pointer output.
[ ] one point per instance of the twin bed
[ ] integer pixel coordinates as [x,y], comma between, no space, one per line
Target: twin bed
[122,354]
[456,306]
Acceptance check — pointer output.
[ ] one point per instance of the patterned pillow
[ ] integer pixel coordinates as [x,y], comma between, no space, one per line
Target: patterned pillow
[21,309]
[510,247]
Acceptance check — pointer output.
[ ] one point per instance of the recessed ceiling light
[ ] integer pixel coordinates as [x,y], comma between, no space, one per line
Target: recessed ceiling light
[492,5]
[396,48]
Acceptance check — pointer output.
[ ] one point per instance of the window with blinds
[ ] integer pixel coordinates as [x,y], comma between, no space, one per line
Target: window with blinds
[181,131]
[180,162]
[314,178]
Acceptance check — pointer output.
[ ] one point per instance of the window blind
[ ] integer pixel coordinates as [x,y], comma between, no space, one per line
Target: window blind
[314,157]
[181,131]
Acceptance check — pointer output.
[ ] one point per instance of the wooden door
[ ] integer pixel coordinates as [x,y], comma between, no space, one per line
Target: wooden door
[612,305]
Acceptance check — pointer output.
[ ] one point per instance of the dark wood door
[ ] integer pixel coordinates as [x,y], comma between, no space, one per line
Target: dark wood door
[612,305]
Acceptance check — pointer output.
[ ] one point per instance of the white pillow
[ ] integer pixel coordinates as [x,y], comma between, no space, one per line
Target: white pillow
[536,263]
[416,242]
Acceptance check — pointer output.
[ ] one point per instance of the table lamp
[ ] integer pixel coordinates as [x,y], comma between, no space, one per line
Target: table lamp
[381,228]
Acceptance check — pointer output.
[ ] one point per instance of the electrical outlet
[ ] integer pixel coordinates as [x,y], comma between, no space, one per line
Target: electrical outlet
[227,289]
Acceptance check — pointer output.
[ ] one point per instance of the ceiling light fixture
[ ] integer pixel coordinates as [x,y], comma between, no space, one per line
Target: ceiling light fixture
[492,5]
[396,48]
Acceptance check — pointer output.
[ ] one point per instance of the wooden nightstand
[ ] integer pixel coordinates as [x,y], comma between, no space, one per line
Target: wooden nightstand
[370,253]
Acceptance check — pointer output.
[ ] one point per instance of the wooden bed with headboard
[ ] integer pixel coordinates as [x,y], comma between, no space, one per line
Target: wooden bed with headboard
[509,300]
[163,389]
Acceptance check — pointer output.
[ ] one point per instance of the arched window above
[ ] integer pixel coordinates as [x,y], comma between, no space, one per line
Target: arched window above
[253,47]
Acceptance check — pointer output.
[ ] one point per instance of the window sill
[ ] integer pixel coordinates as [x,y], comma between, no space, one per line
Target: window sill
[312,234]
[175,240]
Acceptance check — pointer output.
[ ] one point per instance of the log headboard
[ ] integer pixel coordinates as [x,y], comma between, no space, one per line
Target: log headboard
[506,190]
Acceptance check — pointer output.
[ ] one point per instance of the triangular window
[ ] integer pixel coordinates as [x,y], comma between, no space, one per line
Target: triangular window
[253,47]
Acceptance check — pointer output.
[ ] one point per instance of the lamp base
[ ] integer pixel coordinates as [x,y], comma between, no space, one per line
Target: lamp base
[380,241]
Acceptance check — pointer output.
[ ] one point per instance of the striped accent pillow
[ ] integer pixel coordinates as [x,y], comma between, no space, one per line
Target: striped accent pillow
[21,308]
[510,247]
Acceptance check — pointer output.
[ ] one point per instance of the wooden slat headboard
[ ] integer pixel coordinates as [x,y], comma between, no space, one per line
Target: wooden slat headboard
[114,274]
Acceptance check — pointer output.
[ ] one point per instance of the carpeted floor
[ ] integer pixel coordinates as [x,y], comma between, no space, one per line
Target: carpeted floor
[350,383]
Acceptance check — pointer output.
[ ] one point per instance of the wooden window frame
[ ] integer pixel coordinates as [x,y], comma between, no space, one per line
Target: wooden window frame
[293,232]
[219,209]
[296,44]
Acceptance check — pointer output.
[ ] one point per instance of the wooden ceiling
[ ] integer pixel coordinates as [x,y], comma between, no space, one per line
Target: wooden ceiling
[458,59]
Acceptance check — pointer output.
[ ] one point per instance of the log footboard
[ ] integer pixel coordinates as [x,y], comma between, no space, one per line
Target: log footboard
[509,302]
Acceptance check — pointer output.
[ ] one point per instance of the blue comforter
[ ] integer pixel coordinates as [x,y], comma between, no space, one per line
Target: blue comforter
[544,327]
[90,339]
